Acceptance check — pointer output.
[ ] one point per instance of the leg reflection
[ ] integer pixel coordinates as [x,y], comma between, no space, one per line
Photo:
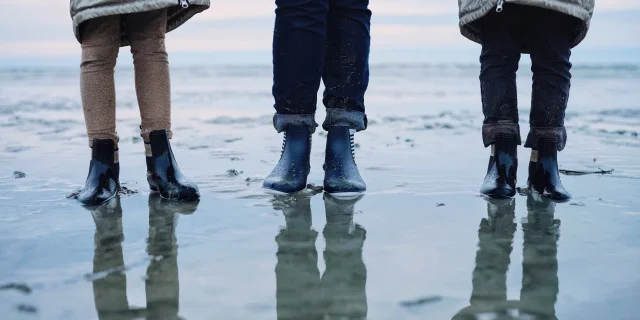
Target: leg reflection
[109,279]
[492,259]
[540,262]
[344,281]
[298,291]
[495,244]
[162,285]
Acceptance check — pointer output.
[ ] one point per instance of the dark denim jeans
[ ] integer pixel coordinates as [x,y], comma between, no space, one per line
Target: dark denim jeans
[321,39]
[545,34]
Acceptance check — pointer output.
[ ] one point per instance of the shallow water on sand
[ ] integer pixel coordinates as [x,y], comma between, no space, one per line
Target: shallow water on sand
[420,245]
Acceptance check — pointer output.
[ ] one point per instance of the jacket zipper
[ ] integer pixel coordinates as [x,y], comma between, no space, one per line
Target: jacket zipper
[184,3]
[499,7]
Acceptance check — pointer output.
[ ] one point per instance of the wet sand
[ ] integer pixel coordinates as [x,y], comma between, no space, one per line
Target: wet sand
[420,245]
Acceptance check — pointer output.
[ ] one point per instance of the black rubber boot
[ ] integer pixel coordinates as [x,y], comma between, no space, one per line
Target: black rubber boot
[544,176]
[290,174]
[341,176]
[103,179]
[500,181]
[164,175]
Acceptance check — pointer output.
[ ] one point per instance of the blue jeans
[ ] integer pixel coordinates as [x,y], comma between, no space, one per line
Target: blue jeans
[545,34]
[321,39]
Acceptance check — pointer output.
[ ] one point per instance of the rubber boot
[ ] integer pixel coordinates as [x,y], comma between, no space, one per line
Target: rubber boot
[103,179]
[345,278]
[341,176]
[544,176]
[290,174]
[500,181]
[164,175]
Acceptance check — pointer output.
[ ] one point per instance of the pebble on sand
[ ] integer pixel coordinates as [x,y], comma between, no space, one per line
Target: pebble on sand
[19,174]
[420,301]
[22,287]
[27,308]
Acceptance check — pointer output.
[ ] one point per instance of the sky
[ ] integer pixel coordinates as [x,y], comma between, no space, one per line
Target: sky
[39,32]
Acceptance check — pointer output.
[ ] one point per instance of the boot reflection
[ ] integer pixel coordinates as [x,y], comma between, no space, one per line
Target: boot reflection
[162,285]
[495,244]
[540,265]
[109,279]
[540,259]
[344,281]
[300,292]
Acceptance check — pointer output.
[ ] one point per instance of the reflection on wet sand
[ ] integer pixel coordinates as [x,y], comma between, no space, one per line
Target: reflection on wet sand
[301,292]
[539,266]
[161,286]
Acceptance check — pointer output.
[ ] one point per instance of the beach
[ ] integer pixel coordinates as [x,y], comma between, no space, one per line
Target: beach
[421,244]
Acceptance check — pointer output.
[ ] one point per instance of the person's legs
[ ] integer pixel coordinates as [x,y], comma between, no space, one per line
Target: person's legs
[346,68]
[146,30]
[299,39]
[346,78]
[501,46]
[499,60]
[551,39]
[100,44]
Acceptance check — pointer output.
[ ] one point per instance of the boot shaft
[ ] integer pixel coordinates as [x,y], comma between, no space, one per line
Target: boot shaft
[340,144]
[104,150]
[297,142]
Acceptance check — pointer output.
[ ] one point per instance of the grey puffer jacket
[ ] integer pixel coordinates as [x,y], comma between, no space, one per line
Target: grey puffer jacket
[472,10]
[178,11]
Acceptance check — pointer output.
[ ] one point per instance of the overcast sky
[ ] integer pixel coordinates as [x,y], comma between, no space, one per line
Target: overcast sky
[38,32]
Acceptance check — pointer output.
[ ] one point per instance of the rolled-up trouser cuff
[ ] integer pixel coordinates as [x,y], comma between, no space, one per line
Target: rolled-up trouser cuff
[537,133]
[345,118]
[282,121]
[491,131]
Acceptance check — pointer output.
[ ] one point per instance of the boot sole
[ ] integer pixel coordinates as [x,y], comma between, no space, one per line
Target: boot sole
[273,192]
[347,195]
[97,203]
[497,197]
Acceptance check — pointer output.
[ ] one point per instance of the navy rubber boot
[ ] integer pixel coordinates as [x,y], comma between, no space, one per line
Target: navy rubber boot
[103,179]
[544,176]
[290,174]
[341,176]
[500,181]
[164,175]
